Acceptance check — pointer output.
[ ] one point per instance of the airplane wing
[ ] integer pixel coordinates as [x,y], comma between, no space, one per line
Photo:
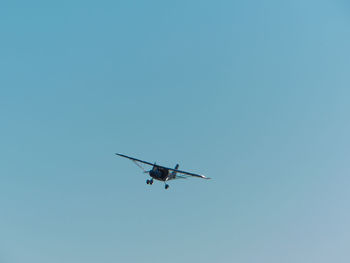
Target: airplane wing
[134,159]
[186,173]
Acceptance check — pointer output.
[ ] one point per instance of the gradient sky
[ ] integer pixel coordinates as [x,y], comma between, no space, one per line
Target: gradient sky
[255,94]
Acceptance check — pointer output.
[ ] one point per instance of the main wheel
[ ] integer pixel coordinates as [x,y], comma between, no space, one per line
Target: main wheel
[166,186]
[151,181]
[148,181]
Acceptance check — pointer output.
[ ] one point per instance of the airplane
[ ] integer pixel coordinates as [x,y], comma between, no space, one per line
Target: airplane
[162,173]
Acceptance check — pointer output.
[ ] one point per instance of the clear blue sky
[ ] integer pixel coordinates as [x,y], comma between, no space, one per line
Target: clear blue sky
[255,94]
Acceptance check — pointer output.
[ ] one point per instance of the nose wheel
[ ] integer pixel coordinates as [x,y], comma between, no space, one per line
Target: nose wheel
[166,186]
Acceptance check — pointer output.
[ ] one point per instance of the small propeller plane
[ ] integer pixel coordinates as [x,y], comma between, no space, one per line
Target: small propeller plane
[162,173]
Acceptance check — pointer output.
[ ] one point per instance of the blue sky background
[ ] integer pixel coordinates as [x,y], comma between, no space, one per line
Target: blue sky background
[254,94]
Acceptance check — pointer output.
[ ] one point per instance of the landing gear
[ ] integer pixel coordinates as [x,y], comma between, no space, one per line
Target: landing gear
[149,181]
[166,186]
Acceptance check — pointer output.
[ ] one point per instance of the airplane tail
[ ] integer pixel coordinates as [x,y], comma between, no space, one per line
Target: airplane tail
[173,174]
